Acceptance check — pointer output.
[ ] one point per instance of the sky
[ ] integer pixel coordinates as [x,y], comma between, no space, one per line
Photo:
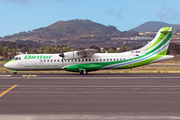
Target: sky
[23,15]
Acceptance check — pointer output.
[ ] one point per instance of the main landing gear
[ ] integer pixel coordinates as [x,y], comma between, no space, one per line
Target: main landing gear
[15,72]
[83,71]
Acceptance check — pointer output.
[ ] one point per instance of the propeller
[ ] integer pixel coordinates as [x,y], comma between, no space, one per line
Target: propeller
[62,55]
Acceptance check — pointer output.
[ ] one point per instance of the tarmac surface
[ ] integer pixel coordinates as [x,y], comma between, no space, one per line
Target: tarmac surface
[125,96]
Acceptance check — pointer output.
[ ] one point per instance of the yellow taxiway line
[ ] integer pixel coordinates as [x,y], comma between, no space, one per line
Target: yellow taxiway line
[6,91]
[5,75]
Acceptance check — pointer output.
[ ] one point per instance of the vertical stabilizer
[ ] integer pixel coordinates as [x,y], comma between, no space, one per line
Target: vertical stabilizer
[160,43]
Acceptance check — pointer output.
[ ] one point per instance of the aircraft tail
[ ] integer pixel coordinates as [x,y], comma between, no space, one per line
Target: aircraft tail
[159,45]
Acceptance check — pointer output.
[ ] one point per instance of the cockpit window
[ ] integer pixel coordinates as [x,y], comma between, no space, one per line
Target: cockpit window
[16,58]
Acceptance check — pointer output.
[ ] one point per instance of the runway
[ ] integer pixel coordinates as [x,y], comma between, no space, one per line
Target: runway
[94,96]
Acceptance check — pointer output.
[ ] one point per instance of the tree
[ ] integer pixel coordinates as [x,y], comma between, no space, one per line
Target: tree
[5,52]
[111,51]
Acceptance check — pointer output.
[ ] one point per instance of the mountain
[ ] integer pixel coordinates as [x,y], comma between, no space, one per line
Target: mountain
[73,29]
[154,26]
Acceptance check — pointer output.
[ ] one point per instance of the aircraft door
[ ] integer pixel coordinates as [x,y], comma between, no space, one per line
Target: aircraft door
[19,63]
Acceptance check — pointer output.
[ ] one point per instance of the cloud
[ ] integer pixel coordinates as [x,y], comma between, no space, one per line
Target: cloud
[169,13]
[114,13]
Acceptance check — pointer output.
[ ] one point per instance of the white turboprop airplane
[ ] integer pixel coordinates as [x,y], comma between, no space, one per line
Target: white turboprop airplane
[87,60]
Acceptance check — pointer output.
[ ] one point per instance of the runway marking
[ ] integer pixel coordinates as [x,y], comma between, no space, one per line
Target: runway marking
[28,76]
[5,75]
[94,92]
[6,91]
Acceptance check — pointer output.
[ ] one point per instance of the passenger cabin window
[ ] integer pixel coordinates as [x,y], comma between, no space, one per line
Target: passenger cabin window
[58,60]
[96,59]
[89,59]
[47,60]
[104,59]
[44,60]
[54,60]
[107,59]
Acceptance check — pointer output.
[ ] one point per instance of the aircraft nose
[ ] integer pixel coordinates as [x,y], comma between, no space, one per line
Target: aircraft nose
[6,65]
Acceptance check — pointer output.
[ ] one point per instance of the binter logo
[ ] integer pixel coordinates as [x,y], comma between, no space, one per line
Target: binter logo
[37,57]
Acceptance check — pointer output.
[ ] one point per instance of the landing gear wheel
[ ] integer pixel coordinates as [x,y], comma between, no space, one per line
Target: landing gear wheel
[83,72]
[15,72]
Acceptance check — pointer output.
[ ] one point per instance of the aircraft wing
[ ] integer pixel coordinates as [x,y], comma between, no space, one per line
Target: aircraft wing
[79,54]
[86,52]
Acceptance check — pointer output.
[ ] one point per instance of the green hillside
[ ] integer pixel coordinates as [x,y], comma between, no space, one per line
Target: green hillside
[74,29]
